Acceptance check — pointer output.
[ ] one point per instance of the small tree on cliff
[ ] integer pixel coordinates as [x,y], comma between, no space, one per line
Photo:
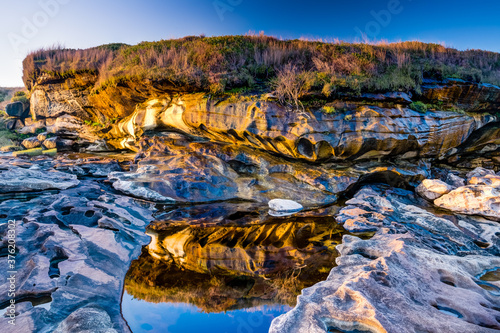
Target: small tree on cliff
[291,84]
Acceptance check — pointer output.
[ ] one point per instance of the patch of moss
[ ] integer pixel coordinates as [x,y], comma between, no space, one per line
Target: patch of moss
[419,107]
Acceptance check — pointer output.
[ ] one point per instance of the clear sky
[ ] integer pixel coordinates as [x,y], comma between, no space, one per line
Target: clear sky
[30,24]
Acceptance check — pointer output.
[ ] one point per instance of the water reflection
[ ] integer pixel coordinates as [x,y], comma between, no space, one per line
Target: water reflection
[207,276]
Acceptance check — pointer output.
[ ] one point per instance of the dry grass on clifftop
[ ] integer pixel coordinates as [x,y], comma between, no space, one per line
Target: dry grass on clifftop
[217,64]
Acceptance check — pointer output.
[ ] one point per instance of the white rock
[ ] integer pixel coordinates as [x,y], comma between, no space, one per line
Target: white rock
[282,205]
[432,189]
[472,200]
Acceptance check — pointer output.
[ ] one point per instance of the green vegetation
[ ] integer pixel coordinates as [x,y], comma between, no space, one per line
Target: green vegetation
[29,152]
[292,68]
[6,136]
[20,96]
[419,106]
[329,109]
[96,124]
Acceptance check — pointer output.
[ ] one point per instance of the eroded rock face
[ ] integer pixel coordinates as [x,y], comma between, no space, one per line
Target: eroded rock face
[472,200]
[371,132]
[362,132]
[431,189]
[54,97]
[471,96]
[419,273]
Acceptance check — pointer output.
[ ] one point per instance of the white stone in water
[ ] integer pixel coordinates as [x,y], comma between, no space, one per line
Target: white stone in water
[282,205]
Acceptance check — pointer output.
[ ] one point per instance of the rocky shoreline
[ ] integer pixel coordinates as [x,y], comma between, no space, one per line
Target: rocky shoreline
[424,187]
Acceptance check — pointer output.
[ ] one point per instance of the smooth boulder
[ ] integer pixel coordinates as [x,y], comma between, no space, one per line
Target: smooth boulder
[472,200]
[432,189]
[31,143]
[17,110]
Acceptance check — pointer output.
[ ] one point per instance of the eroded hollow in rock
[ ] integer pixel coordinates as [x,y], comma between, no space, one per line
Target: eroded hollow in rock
[388,177]
[54,271]
[448,311]
[305,148]
[36,300]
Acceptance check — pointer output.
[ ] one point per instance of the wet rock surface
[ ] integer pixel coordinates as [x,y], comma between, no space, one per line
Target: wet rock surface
[74,246]
[418,273]
[182,171]
[17,179]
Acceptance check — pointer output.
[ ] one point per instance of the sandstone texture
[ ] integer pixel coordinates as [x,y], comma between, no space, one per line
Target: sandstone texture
[431,189]
[472,200]
[419,273]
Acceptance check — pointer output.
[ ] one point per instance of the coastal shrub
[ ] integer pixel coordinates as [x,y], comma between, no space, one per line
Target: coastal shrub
[292,83]
[329,109]
[294,68]
[419,107]
[20,96]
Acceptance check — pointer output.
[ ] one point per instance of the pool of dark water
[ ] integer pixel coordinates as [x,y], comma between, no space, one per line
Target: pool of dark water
[226,275]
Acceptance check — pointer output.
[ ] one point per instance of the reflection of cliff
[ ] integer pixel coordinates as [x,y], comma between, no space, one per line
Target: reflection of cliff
[225,268]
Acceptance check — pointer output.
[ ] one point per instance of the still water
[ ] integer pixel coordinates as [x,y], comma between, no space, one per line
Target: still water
[226,269]
[148,317]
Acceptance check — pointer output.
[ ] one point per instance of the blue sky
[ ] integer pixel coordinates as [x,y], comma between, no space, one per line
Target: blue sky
[31,24]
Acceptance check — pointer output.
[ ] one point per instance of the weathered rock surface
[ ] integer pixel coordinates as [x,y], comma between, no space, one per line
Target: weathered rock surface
[87,319]
[362,132]
[74,249]
[431,189]
[372,132]
[176,169]
[479,172]
[490,180]
[419,273]
[16,179]
[454,180]
[468,95]
[31,143]
[54,97]
[472,200]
